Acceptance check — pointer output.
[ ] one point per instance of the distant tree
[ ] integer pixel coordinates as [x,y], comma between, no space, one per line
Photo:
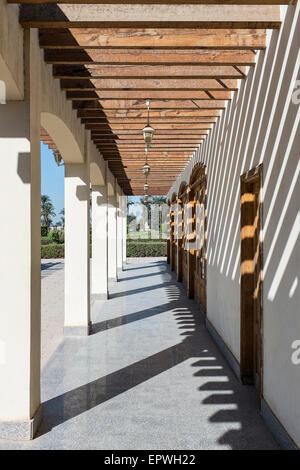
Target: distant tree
[130,218]
[62,219]
[47,210]
[157,200]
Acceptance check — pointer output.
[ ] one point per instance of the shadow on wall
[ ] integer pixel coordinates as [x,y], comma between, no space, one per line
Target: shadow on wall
[260,125]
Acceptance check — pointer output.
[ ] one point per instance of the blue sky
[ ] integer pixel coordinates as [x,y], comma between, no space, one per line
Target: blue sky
[52,180]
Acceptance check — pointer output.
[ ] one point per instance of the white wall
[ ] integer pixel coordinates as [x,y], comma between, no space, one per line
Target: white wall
[260,125]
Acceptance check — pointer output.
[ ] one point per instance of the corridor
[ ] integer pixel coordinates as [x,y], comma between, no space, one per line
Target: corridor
[148,377]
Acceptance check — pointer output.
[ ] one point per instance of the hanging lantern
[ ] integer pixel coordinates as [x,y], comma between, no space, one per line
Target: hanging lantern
[148,131]
[146,198]
[146,169]
[146,186]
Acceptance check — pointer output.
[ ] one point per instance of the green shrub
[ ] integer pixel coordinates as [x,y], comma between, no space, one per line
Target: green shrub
[52,251]
[45,241]
[55,236]
[143,248]
[44,230]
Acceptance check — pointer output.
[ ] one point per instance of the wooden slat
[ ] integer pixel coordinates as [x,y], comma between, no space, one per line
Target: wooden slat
[152,94]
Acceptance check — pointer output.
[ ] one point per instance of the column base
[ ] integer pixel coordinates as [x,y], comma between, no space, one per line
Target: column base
[21,430]
[78,330]
[95,297]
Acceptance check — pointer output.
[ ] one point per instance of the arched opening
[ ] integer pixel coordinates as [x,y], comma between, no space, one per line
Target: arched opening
[52,247]
[64,139]
[63,148]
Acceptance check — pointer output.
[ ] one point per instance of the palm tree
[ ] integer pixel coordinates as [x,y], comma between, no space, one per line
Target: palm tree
[47,210]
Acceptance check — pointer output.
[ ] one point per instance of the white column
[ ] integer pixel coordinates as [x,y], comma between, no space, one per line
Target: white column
[99,242]
[119,234]
[124,253]
[77,250]
[20,265]
[112,238]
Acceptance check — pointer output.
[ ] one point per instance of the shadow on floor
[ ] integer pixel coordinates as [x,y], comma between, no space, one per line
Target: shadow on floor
[50,265]
[139,277]
[196,344]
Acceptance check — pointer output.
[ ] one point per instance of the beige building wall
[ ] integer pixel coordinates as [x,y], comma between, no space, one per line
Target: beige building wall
[260,125]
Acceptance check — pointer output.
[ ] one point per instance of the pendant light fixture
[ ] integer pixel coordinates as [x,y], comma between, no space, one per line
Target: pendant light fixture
[148,131]
[146,167]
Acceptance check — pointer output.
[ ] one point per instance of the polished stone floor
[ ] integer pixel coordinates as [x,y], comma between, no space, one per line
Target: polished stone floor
[149,377]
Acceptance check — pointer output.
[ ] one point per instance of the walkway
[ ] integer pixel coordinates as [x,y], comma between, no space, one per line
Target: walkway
[149,377]
[52,315]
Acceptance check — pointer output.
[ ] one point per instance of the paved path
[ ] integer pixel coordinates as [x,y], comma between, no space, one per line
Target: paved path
[149,377]
[52,317]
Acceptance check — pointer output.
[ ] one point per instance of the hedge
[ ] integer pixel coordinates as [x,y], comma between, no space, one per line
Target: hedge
[135,249]
[140,249]
[52,251]
[55,250]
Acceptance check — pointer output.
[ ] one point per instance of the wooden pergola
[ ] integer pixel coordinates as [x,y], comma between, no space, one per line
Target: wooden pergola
[186,57]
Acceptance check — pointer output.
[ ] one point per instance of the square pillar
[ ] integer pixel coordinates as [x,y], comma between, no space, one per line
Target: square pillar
[20,266]
[99,242]
[112,238]
[124,228]
[77,249]
[119,235]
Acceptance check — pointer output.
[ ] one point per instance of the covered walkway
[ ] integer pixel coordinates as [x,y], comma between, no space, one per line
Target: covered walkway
[148,377]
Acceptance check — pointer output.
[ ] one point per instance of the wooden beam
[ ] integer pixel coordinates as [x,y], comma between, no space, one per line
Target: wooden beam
[69,84]
[152,94]
[149,71]
[158,132]
[128,57]
[137,15]
[166,2]
[164,127]
[142,114]
[162,142]
[224,39]
[160,105]
[154,121]
[139,138]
